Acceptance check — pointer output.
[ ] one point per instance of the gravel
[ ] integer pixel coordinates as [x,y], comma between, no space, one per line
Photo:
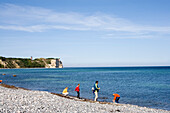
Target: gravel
[27,101]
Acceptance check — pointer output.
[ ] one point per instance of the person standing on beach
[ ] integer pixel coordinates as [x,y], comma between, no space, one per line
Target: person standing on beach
[65,92]
[77,89]
[116,98]
[96,90]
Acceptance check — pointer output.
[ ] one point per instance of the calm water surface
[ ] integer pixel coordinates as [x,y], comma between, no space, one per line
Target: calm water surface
[143,86]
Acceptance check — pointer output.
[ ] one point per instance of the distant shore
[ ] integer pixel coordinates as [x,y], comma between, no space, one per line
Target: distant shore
[14,99]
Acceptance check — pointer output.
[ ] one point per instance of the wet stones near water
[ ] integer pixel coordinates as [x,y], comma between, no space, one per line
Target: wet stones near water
[3,74]
[8,86]
[103,97]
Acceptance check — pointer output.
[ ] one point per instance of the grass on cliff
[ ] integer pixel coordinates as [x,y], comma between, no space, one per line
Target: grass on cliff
[28,63]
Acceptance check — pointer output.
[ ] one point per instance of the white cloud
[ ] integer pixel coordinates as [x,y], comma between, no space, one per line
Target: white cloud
[128,36]
[21,28]
[36,19]
[40,28]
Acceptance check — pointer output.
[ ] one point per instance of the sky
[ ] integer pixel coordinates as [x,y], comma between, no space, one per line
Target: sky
[87,33]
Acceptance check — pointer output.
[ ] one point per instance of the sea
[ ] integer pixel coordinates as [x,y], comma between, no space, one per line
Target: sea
[142,86]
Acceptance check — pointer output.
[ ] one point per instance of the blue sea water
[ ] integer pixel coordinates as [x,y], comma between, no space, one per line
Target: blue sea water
[143,86]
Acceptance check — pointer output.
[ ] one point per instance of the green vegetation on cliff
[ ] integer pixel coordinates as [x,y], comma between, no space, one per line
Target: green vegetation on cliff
[23,62]
[1,66]
[2,58]
[29,63]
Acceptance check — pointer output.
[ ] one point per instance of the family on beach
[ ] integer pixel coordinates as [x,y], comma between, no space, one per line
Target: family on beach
[95,90]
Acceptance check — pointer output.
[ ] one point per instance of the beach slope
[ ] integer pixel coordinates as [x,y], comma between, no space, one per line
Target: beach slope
[17,100]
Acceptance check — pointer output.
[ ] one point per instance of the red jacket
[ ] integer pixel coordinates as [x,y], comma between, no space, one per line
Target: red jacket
[77,88]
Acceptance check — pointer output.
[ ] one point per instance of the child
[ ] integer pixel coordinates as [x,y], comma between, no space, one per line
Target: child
[0,81]
[78,91]
[65,93]
[116,98]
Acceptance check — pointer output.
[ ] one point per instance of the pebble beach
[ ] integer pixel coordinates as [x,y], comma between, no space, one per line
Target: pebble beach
[18,100]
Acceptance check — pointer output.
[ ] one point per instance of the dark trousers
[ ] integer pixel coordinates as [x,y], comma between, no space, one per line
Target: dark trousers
[78,94]
[117,99]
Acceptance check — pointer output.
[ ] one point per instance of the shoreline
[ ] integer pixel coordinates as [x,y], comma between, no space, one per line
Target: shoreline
[89,105]
[68,97]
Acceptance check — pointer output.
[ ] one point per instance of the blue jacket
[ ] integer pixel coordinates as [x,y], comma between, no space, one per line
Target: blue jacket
[96,87]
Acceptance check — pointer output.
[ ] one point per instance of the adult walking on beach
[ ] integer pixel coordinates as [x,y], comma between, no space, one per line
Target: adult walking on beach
[77,89]
[96,90]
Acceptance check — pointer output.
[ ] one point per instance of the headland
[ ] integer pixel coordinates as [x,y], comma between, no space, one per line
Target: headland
[30,63]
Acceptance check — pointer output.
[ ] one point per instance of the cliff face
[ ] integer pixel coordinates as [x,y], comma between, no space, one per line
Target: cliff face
[55,63]
[28,63]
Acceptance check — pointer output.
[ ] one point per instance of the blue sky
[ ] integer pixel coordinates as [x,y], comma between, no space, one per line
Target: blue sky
[87,32]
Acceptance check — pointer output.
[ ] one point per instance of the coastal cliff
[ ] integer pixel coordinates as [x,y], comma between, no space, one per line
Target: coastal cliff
[29,63]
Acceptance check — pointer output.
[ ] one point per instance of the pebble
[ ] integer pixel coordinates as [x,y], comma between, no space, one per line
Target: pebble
[26,101]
